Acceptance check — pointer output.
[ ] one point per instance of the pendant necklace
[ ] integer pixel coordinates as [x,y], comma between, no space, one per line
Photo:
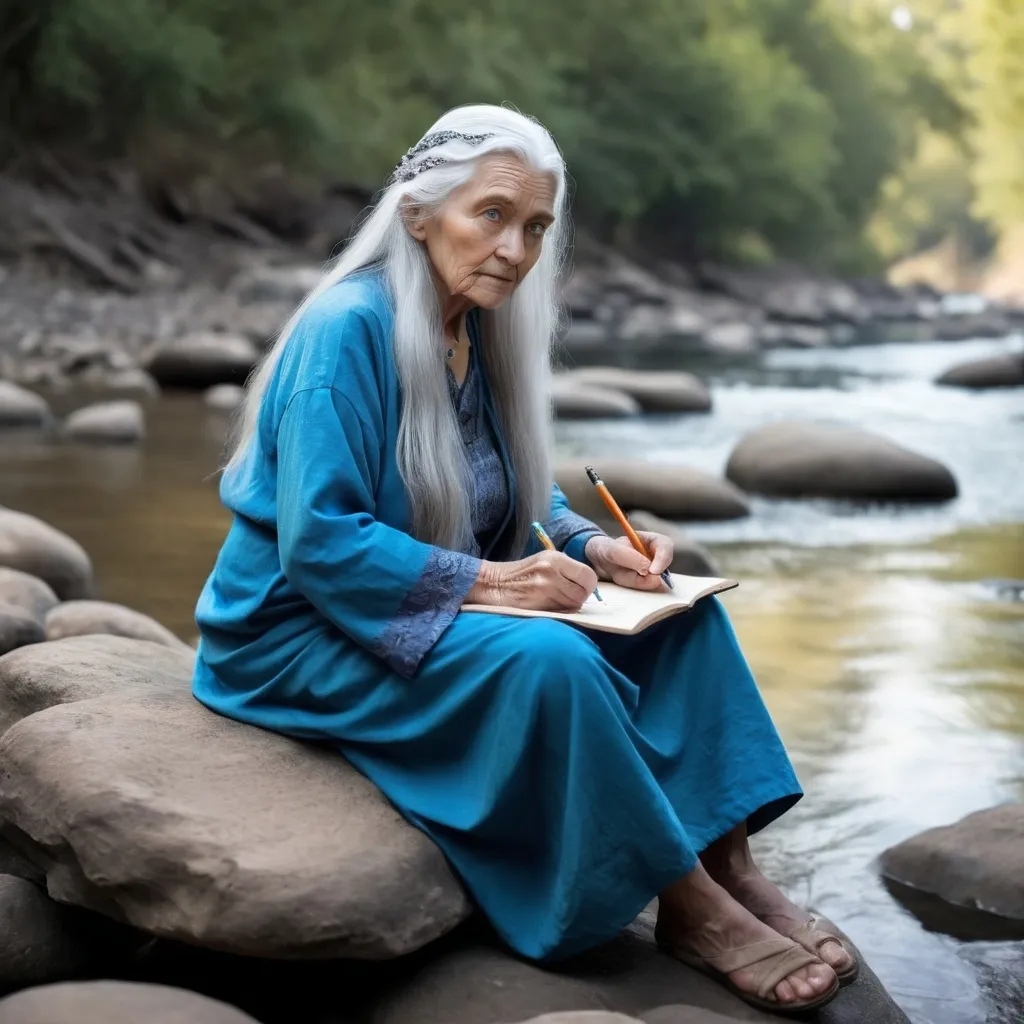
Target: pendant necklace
[450,353]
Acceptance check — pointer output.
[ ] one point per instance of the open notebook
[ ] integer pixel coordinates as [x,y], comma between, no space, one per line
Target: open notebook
[622,610]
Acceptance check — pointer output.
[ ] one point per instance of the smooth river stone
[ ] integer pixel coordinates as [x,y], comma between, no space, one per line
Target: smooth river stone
[42,941]
[29,593]
[668,491]
[116,1002]
[655,390]
[201,360]
[150,808]
[224,397]
[976,864]
[18,629]
[1002,371]
[574,400]
[793,459]
[119,422]
[20,407]
[34,547]
[81,618]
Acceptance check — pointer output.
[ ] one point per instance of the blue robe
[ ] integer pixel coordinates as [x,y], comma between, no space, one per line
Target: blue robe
[568,777]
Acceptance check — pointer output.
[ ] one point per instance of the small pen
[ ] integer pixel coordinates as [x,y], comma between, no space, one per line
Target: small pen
[613,506]
[547,542]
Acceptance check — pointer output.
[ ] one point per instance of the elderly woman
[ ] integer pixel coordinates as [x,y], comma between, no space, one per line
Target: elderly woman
[393,451]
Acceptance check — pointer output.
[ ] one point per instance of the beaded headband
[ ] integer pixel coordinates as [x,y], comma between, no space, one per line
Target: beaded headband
[407,170]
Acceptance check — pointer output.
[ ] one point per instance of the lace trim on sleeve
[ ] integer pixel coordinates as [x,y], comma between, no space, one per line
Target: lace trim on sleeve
[427,610]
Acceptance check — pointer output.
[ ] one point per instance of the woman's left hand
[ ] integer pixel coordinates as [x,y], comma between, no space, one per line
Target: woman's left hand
[617,560]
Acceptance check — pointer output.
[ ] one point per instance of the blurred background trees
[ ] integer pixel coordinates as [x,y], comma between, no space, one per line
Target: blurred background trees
[850,132]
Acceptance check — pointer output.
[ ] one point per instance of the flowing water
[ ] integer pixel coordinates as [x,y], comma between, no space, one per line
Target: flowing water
[891,659]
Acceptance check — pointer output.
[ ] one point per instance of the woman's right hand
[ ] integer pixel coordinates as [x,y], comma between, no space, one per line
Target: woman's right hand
[548,581]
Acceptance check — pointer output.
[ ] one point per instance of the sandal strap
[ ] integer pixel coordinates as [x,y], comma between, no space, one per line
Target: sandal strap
[775,959]
[811,937]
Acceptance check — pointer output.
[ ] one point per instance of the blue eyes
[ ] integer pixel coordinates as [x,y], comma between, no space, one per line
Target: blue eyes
[536,228]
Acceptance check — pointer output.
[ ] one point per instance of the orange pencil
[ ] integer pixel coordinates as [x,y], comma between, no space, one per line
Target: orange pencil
[620,518]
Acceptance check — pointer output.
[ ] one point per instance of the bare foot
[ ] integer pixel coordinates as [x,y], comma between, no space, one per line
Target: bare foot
[764,900]
[699,917]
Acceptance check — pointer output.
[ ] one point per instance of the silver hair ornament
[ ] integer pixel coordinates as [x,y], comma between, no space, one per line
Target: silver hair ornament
[407,170]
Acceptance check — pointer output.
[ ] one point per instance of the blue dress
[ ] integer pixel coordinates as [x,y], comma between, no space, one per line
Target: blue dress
[568,777]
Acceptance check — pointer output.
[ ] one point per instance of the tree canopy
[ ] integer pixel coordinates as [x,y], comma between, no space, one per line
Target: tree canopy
[695,126]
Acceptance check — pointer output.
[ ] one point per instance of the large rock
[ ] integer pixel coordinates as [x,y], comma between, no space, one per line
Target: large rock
[478,982]
[43,941]
[201,360]
[575,400]
[117,422]
[818,460]
[32,546]
[115,1002]
[84,667]
[655,390]
[29,593]
[18,628]
[673,492]
[1004,371]
[81,618]
[976,864]
[148,807]
[20,407]
[690,559]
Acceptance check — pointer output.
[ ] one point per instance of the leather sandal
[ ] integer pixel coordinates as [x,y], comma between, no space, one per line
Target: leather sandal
[812,938]
[777,958]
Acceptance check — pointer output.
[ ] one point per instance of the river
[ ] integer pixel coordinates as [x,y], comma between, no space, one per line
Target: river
[891,661]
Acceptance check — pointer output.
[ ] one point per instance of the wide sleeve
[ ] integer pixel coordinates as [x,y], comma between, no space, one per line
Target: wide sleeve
[386,590]
[568,531]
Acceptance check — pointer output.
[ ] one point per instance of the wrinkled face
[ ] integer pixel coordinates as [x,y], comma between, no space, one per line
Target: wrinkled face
[489,233]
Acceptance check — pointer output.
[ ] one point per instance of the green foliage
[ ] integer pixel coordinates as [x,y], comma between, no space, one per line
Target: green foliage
[722,127]
[996,68]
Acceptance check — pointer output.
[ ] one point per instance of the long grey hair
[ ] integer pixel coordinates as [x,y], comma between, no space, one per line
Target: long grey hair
[517,336]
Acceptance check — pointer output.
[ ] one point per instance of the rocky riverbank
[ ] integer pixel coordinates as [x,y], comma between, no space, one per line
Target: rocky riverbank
[99,259]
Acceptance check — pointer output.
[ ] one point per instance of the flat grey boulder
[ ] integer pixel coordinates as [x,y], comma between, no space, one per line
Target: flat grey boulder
[83,667]
[690,559]
[1004,371]
[20,407]
[80,618]
[574,400]
[29,593]
[18,628]
[201,360]
[42,941]
[147,807]
[793,459]
[672,492]
[975,864]
[118,422]
[224,397]
[478,982]
[655,390]
[34,547]
[115,1002]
